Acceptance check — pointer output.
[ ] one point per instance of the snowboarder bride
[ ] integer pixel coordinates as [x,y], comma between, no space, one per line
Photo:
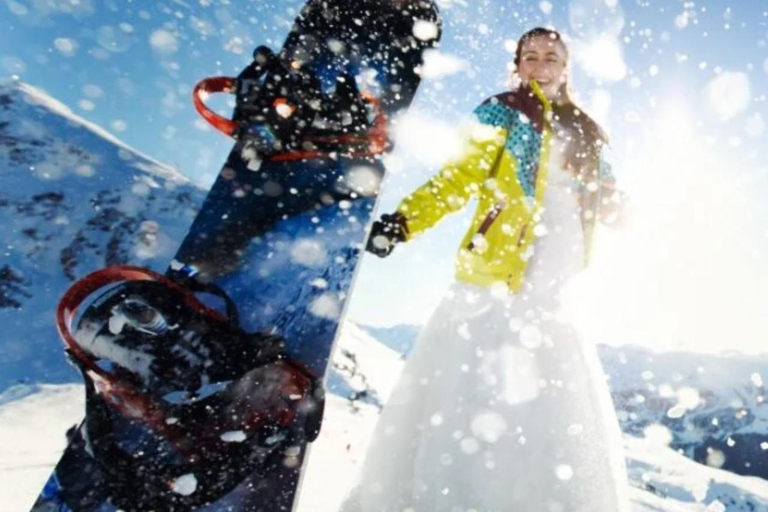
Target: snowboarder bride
[501,407]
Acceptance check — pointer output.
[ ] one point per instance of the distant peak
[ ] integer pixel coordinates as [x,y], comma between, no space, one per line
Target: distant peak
[39,98]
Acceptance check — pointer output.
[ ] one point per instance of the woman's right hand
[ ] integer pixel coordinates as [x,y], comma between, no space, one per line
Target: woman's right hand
[387,232]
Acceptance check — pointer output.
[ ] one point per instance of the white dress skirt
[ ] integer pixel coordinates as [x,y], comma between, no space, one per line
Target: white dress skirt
[501,407]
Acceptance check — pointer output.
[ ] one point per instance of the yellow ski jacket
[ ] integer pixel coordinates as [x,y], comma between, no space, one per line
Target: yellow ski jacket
[505,166]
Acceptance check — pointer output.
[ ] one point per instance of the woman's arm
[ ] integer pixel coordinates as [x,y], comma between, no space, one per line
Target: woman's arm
[450,189]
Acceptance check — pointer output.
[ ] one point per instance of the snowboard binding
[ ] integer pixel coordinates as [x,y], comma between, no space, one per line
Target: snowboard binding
[283,112]
[181,404]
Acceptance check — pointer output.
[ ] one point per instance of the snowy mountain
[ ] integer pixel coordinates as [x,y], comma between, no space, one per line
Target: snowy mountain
[363,368]
[73,199]
[713,408]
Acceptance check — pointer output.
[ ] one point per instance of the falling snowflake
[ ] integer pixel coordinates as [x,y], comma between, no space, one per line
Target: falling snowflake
[531,337]
[163,42]
[65,46]
[425,30]
[234,436]
[564,472]
[308,252]
[326,306]
[185,485]
[729,94]
[488,426]
[658,434]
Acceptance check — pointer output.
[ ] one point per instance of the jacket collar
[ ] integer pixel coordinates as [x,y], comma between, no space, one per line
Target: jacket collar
[530,101]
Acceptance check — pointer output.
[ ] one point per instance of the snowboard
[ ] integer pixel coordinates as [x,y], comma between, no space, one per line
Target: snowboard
[204,385]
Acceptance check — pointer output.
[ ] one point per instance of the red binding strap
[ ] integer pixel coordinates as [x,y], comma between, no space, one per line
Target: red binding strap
[129,400]
[213,85]
[376,139]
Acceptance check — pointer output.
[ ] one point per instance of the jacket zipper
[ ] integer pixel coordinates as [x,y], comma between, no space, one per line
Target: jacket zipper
[496,210]
[488,221]
[521,238]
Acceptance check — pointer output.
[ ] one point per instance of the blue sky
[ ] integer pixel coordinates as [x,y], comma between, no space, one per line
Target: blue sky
[130,65]
[680,86]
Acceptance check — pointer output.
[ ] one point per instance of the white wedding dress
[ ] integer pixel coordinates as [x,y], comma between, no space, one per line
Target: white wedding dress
[501,407]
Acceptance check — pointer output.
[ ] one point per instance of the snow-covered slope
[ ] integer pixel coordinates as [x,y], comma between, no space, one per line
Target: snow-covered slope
[712,407]
[33,423]
[363,369]
[73,199]
[32,430]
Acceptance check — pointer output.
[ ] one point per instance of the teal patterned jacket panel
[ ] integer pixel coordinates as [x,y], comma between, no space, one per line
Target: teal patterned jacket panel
[523,140]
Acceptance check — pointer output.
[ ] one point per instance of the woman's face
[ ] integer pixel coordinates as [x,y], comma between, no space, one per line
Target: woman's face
[543,59]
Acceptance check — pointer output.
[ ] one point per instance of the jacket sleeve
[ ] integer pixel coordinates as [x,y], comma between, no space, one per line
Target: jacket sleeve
[450,189]
[613,202]
[605,172]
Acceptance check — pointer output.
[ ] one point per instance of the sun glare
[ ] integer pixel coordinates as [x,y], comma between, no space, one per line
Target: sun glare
[685,274]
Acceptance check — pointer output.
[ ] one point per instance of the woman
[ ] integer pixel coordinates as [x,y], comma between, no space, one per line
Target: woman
[500,406]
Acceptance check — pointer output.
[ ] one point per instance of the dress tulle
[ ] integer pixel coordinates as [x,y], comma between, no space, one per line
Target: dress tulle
[501,407]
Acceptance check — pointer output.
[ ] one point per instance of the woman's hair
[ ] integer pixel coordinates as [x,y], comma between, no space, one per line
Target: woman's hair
[584,134]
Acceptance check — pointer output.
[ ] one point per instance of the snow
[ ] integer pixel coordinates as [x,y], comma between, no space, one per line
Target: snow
[530,336]
[32,426]
[235,45]
[113,39]
[425,30]
[32,438]
[363,180]
[326,306]
[163,42]
[34,418]
[37,97]
[729,94]
[598,50]
[308,252]
[118,125]
[93,91]
[601,56]
[186,485]
[488,426]
[438,64]
[597,47]
[360,354]
[564,472]
[423,139]
[65,46]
